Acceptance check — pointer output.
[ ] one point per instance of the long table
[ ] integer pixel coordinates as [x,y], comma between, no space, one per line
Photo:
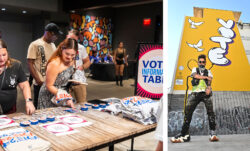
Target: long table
[106,130]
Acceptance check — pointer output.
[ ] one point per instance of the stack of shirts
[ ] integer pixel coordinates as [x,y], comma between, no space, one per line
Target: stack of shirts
[113,105]
[21,139]
[140,109]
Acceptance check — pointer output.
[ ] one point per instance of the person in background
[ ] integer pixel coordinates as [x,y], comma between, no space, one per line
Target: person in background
[11,76]
[60,69]
[102,58]
[39,52]
[108,58]
[120,58]
[82,63]
[94,58]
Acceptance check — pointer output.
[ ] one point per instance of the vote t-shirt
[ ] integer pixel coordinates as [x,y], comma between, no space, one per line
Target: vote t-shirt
[9,80]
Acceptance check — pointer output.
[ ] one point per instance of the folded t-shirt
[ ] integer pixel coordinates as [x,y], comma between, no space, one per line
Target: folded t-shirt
[21,139]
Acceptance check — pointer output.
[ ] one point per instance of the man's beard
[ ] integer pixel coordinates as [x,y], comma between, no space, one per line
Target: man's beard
[202,67]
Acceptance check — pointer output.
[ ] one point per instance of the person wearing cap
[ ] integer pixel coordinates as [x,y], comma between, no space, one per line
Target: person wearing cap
[82,63]
[39,52]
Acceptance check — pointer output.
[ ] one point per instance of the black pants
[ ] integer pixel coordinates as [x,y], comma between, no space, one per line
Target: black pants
[193,100]
[36,94]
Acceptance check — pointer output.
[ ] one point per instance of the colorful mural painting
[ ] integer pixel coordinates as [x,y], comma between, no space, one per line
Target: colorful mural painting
[96,32]
[215,34]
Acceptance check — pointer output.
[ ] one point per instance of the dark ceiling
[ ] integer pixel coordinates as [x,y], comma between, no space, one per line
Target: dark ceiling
[69,5]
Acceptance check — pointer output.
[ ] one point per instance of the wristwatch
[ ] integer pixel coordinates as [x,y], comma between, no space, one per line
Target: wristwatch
[28,100]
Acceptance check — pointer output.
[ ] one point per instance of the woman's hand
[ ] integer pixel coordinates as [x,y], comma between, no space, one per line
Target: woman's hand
[30,109]
[70,104]
[126,63]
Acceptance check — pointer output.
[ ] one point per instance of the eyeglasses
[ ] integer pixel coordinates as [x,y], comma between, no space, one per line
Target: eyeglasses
[202,61]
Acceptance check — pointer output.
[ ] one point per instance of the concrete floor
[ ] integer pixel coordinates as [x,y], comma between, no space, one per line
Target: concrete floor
[105,89]
[238,142]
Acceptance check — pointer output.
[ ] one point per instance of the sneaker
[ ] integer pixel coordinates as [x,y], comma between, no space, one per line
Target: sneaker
[180,138]
[213,137]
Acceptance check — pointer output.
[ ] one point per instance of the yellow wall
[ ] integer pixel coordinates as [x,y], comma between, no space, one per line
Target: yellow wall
[232,77]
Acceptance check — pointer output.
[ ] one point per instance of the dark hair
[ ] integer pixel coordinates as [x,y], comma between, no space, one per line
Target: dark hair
[75,32]
[10,60]
[2,44]
[202,56]
[68,43]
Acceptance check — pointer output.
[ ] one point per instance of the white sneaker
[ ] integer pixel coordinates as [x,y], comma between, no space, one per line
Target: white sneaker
[180,138]
[213,137]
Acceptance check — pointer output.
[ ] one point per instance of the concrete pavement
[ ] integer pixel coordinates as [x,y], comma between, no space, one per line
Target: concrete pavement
[201,143]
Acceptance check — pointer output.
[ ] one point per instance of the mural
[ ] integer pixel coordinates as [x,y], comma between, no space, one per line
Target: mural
[96,32]
[216,35]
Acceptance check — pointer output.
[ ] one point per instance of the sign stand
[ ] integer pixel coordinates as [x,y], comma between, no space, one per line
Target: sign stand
[149,69]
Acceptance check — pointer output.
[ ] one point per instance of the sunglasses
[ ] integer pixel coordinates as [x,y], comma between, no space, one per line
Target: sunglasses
[202,61]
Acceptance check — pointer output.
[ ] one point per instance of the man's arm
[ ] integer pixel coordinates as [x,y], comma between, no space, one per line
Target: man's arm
[33,71]
[209,89]
[86,64]
[197,76]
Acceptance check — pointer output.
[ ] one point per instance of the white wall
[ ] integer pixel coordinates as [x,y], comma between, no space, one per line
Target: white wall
[245,37]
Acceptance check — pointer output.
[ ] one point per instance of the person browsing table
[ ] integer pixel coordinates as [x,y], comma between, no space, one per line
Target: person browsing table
[60,69]
[11,76]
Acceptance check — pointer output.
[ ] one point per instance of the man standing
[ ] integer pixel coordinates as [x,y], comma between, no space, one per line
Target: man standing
[39,52]
[201,92]
[82,63]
